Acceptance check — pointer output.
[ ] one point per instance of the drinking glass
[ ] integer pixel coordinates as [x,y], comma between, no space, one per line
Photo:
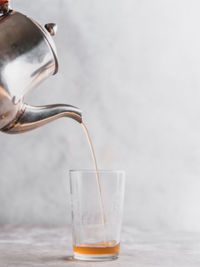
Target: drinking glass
[97,206]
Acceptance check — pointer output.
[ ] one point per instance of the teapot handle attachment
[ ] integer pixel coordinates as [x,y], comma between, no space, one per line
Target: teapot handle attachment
[4,7]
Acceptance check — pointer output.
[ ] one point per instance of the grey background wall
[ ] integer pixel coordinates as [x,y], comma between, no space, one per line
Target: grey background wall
[134,69]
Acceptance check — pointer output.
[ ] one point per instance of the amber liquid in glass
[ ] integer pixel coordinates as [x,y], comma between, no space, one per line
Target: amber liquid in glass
[104,247]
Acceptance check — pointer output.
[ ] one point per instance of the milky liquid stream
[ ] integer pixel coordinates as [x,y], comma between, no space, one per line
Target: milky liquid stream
[97,177]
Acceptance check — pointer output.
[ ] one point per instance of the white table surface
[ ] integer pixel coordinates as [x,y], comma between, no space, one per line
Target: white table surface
[37,246]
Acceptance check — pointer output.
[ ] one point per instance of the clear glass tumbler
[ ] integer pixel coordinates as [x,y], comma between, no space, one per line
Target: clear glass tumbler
[97,206]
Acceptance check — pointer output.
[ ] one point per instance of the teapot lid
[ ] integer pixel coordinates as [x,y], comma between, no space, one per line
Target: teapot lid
[50,30]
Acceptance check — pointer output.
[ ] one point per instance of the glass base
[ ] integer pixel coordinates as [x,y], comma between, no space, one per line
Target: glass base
[95,257]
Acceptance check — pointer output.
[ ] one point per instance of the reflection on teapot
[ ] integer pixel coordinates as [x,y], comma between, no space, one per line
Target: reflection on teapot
[27,57]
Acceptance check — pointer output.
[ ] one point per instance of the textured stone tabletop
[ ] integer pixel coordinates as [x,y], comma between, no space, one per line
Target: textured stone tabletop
[32,246]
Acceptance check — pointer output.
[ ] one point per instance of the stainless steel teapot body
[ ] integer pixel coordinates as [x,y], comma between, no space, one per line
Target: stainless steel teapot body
[27,57]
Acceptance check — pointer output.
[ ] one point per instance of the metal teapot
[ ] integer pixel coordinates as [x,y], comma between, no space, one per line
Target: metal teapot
[27,57]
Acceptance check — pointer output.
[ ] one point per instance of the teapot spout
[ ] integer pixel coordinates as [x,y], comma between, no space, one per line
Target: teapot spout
[32,117]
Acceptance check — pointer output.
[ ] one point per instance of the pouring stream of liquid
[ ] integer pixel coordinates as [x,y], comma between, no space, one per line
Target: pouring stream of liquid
[97,177]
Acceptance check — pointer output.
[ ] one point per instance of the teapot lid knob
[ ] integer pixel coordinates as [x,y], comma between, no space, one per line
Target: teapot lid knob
[51,28]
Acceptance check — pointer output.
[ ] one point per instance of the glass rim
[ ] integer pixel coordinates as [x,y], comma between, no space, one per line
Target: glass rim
[94,171]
